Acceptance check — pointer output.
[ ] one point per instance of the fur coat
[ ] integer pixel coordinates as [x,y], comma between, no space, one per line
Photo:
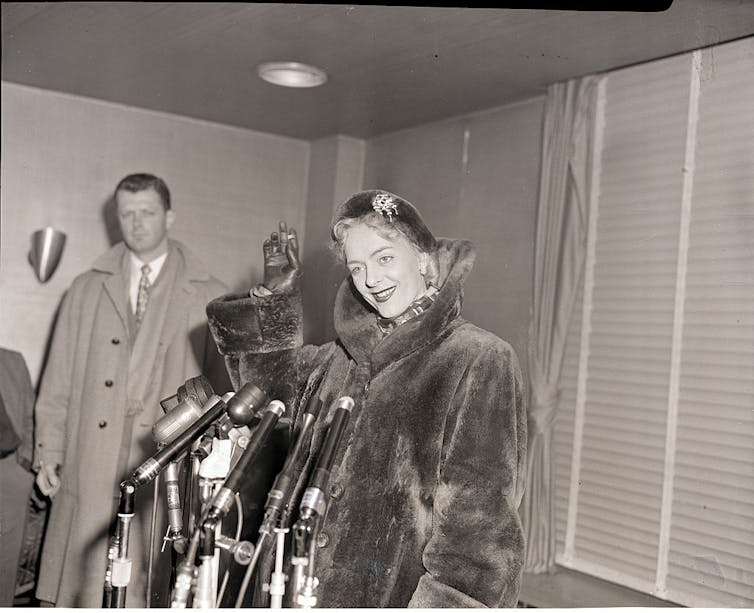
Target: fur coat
[426,483]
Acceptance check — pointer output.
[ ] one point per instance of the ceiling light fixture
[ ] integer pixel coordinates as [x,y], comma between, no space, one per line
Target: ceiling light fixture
[291,74]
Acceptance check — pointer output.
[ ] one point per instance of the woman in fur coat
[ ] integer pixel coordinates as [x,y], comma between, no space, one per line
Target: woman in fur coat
[428,476]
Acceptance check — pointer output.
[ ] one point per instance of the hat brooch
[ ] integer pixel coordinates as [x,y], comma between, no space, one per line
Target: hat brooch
[385,204]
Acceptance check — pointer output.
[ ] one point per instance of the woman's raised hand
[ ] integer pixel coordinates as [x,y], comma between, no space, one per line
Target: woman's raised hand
[282,266]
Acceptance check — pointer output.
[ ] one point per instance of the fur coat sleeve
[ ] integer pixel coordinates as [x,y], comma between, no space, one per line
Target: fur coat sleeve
[261,340]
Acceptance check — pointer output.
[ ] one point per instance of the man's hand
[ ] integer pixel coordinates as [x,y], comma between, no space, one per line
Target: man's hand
[48,480]
[281,264]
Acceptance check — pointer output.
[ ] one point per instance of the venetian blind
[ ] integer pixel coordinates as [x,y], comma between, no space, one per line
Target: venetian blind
[625,407]
[711,547]
[656,409]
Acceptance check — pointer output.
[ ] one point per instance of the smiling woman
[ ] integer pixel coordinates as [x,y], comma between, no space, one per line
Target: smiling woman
[424,492]
[388,271]
[392,260]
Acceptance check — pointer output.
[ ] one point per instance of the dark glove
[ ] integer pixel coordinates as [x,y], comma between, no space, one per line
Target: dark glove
[282,267]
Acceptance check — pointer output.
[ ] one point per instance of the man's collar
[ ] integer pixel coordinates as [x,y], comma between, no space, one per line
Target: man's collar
[155,264]
[112,260]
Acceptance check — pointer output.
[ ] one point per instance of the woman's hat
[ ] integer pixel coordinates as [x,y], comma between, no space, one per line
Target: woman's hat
[401,213]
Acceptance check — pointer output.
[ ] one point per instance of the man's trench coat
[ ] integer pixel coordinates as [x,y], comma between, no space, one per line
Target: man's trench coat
[96,410]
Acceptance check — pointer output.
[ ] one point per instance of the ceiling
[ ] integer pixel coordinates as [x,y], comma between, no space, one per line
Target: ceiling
[390,67]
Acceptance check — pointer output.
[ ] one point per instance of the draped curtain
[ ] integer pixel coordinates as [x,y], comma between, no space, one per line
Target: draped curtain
[560,250]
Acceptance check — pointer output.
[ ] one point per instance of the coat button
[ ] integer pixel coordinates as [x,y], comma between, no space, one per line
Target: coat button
[115,341]
[109,383]
[336,490]
[323,540]
[102,424]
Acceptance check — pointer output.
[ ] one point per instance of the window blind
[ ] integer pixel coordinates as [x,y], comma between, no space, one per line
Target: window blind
[711,547]
[622,447]
[655,456]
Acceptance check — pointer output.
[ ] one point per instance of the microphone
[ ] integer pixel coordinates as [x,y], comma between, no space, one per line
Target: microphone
[312,508]
[313,502]
[222,501]
[279,495]
[244,404]
[182,408]
[170,425]
[175,512]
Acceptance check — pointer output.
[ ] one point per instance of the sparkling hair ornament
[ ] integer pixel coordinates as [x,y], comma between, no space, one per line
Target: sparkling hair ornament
[384,204]
[402,215]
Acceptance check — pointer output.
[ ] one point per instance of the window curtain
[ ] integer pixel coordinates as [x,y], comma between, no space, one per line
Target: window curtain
[565,189]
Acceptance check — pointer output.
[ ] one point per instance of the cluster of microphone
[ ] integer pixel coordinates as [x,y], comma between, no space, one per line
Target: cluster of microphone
[193,415]
[237,409]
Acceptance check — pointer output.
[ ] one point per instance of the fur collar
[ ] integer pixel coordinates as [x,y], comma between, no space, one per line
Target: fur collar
[356,322]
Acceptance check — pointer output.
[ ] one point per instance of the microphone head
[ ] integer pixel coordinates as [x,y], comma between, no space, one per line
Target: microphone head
[198,387]
[345,402]
[169,403]
[276,407]
[170,425]
[245,403]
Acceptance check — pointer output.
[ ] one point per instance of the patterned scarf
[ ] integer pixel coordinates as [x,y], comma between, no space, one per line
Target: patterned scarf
[416,308]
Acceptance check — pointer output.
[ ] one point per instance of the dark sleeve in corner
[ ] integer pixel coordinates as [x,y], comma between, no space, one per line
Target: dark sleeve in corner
[475,554]
[16,407]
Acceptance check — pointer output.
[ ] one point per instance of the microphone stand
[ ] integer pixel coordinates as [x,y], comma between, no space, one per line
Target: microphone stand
[314,506]
[185,575]
[204,594]
[199,453]
[118,573]
[241,405]
[218,504]
[304,581]
[119,565]
[181,410]
[277,579]
[152,527]
[277,511]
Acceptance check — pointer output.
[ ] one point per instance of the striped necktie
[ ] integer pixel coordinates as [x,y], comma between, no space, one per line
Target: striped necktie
[143,295]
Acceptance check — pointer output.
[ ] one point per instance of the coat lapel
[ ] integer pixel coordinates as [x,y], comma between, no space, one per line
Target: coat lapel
[115,284]
[177,310]
[179,302]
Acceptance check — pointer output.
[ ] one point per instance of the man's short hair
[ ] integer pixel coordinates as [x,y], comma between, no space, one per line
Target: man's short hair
[140,181]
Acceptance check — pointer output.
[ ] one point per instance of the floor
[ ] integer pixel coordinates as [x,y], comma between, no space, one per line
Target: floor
[571,589]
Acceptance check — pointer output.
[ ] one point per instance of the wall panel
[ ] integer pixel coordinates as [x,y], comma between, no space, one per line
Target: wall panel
[62,157]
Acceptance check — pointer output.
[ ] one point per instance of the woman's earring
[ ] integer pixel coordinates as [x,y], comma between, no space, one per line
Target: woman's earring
[422,269]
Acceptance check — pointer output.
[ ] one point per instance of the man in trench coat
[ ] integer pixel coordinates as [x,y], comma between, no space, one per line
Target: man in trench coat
[126,337]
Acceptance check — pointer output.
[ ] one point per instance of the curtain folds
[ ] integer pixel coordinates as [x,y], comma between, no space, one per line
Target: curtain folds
[560,250]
